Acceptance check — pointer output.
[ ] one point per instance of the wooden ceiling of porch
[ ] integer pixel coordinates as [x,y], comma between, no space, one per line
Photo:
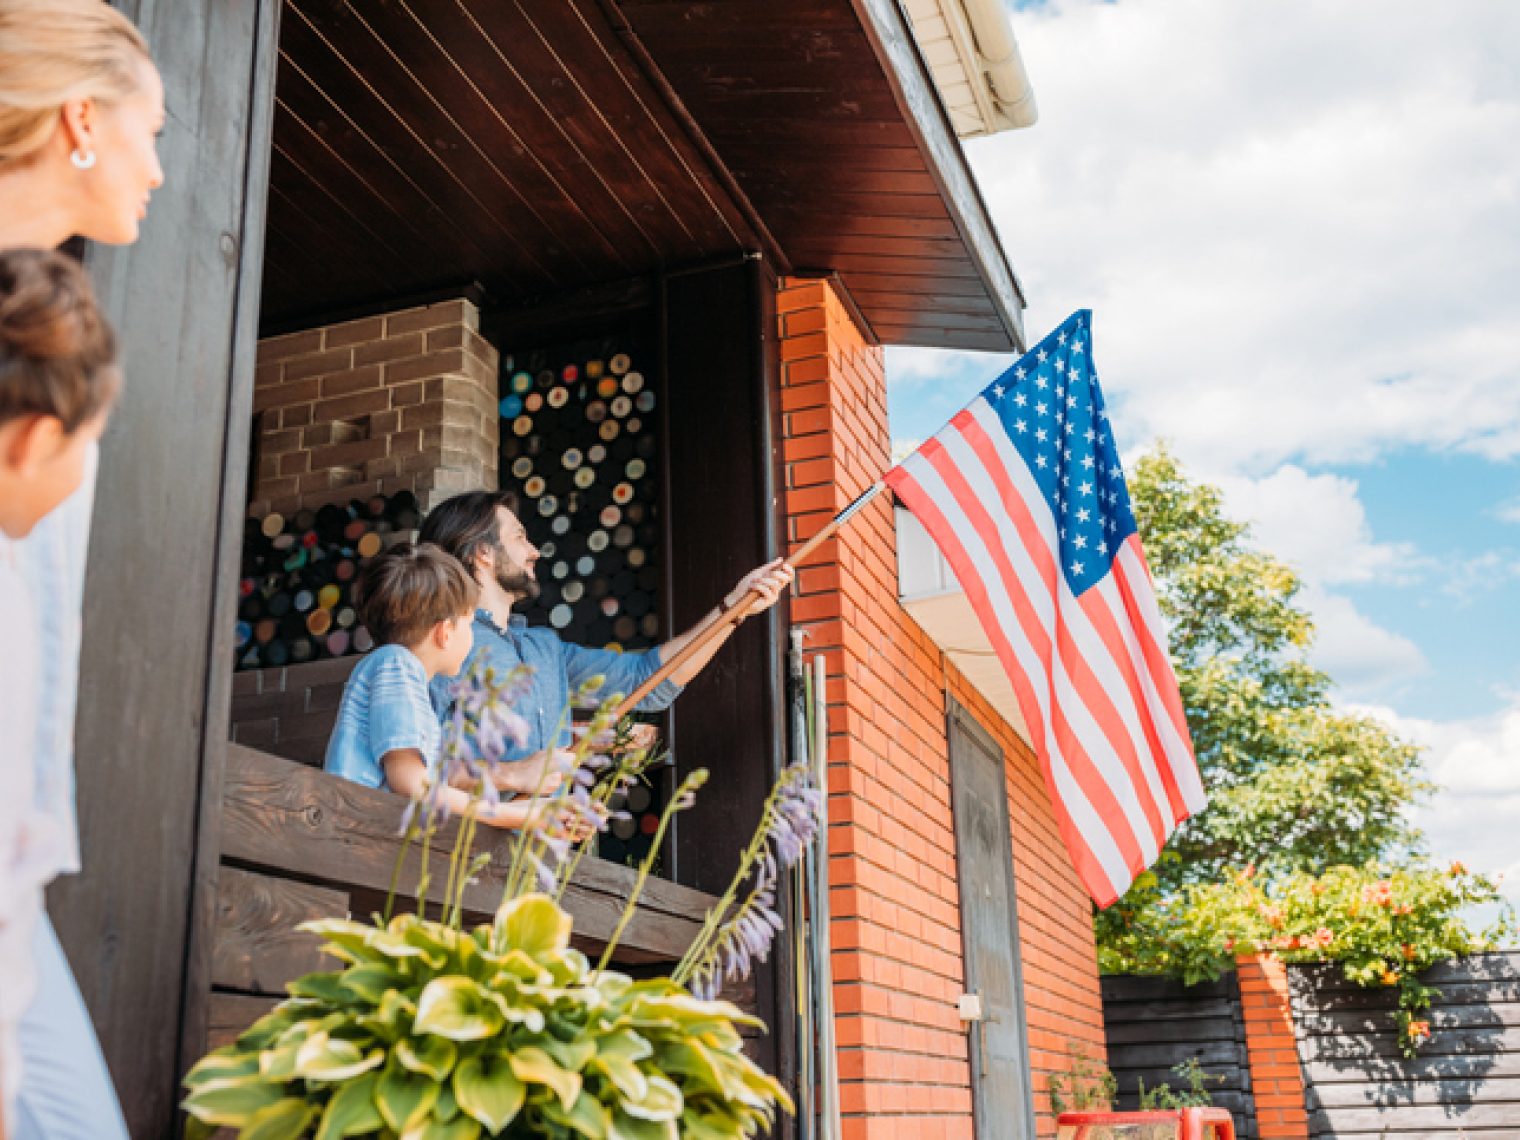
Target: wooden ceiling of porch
[419,145]
[538,146]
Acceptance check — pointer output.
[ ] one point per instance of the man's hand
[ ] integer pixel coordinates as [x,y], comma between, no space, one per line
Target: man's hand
[769,582]
[543,772]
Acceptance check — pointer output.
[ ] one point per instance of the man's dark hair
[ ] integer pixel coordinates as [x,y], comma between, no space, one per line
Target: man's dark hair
[407,590]
[466,524]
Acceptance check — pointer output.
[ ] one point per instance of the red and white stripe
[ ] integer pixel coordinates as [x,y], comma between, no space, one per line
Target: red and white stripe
[1091,673]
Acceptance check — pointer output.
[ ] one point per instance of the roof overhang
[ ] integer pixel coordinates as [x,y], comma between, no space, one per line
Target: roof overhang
[829,118]
[543,147]
[933,598]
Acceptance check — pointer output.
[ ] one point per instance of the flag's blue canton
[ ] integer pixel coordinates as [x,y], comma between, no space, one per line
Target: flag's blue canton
[1052,409]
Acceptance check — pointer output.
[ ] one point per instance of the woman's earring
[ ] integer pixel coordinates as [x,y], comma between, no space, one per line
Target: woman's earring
[82,159]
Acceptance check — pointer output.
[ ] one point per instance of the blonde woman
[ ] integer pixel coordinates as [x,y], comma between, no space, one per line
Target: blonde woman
[81,106]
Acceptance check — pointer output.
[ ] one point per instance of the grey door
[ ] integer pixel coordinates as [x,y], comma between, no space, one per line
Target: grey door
[989,933]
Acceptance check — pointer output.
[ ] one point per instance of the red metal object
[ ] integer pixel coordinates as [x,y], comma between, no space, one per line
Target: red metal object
[1185,1124]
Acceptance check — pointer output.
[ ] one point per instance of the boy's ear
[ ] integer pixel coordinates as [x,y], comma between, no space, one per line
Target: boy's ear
[26,442]
[441,632]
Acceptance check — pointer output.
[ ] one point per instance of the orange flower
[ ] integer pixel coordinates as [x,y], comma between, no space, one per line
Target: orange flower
[1390,977]
[1322,937]
[1409,952]
[1273,915]
[1419,1030]
[1457,868]
[1379,893]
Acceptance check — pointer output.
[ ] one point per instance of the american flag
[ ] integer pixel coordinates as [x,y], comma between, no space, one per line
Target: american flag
[1023,493]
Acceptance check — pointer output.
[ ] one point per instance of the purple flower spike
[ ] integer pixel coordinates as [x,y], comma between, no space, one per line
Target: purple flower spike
[789,826]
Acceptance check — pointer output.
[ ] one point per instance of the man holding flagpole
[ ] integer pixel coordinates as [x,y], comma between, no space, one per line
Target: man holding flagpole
[1024,495]
[482,531]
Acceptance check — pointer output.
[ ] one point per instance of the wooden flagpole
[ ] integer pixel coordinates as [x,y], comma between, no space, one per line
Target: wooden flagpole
[732,617]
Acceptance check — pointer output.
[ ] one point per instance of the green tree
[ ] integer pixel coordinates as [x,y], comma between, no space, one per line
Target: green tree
[1295,785]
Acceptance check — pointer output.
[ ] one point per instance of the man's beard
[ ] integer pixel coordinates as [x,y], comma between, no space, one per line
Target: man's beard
[517,581]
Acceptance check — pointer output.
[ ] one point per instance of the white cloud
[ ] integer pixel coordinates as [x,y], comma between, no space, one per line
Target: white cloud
[1317,524]
[1508,511]
[1362,657]
[1293,219]
[902,448]
[1474,580]
[912,366]
[1477,765]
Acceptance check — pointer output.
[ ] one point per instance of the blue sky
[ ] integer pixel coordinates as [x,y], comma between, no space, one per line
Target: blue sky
[1298,226]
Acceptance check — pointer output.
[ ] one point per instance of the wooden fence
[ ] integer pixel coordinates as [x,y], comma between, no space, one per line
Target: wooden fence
[1153,1024]
[1465,1082]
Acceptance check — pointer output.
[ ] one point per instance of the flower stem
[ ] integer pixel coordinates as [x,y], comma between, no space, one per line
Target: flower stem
[629,767]
[390,894]
[713,922]
[423,880]
[463,841]
[678,802]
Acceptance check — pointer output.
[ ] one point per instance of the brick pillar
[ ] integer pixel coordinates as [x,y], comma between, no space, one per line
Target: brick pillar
[402,401]
[1277,1081]
[903,1060]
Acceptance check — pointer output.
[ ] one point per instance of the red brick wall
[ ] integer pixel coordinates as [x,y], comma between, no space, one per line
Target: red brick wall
[903,1052]
[1277,1082]
[400,401]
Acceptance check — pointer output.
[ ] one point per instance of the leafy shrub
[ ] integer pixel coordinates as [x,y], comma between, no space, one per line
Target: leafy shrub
[1384,926]
[1086,1085]
[1195,1095]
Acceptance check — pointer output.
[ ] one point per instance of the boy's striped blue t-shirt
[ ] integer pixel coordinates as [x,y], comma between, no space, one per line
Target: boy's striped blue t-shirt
[385,707]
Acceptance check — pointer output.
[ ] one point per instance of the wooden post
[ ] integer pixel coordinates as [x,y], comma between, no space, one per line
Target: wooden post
[156,659]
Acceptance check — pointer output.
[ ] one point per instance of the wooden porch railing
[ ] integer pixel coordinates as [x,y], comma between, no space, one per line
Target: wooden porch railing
[297,844]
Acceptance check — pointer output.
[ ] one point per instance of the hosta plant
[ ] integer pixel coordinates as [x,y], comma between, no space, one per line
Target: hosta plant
[505,1030]
[431,1031]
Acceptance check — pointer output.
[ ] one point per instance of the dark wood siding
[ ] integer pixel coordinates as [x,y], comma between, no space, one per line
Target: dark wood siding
[1155,1023]
[156,659]
[1466,1080]
[722,520]
[289,712]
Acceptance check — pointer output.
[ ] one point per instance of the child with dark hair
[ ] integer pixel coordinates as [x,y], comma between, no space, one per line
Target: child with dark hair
[58,379]
[419,603]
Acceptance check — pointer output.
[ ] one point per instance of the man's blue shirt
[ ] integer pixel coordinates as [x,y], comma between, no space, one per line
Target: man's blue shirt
[559,670]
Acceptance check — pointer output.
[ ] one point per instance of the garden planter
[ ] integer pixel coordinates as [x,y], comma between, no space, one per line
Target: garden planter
[1171,1124]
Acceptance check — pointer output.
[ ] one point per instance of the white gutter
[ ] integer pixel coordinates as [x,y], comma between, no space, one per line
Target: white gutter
[999,56]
